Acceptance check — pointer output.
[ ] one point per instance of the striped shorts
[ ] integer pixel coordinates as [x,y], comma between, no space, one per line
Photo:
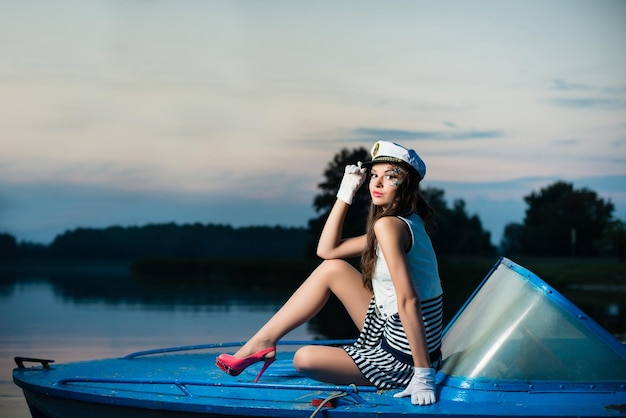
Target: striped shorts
[382,353]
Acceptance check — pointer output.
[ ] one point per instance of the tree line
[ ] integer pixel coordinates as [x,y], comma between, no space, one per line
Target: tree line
[165,240]
[559,220]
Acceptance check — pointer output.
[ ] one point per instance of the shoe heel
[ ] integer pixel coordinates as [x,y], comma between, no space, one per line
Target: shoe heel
[266,364]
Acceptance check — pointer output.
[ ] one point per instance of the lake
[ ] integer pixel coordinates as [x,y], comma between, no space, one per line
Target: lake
[68,321]
[83,311]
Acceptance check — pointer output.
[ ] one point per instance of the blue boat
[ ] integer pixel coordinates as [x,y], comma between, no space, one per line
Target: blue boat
[516,348]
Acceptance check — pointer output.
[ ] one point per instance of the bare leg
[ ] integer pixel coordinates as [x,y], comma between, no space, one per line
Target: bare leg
[331,276]
[328,364]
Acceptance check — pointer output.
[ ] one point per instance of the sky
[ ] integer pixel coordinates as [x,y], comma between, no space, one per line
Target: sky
[131,112]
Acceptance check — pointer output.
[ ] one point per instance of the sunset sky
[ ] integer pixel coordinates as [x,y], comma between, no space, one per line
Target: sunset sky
[131,112]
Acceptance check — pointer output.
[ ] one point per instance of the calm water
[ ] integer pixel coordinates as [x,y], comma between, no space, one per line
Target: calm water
[68,322]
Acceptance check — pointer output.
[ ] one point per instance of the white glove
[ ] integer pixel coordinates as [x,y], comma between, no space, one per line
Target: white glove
[421,388]
[353,178]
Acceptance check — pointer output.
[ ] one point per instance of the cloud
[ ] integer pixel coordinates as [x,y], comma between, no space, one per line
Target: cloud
[598,97]
[403,135]
[599,103]
[366,136]
[595,97]
[620,142]
[562,85]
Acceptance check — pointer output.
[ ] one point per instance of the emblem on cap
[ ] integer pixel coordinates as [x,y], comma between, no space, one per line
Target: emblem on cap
[375,149]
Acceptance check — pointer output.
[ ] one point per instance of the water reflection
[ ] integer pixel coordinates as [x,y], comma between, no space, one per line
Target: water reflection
[113,284]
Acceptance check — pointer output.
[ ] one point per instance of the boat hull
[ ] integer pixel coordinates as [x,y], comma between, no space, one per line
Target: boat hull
[188,385]
[44,406]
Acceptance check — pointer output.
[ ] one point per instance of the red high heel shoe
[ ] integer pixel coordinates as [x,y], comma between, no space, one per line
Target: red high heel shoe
[235,365]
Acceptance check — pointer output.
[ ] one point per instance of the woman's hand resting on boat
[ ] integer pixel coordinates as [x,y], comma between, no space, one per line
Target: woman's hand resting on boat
[421,388]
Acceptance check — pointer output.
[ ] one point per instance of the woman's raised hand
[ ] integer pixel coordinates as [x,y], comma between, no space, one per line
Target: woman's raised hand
[353,178]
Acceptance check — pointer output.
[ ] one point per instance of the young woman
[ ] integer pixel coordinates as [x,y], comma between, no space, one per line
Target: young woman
[396,301]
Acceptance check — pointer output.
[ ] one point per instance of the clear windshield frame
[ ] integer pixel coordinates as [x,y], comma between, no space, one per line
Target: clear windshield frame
[516,327]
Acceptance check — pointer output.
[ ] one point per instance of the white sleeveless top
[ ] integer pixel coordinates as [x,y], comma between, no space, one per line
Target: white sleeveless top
[422,264]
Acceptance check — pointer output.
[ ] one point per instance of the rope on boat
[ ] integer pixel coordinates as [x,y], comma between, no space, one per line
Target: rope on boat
[332,396]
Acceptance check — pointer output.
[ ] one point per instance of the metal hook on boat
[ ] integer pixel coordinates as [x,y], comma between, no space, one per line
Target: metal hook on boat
[44,362]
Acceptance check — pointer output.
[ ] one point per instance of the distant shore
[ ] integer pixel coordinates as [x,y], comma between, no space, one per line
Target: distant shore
[581,273]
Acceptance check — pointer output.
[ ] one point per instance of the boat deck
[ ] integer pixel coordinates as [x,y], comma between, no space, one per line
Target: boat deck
[186,383]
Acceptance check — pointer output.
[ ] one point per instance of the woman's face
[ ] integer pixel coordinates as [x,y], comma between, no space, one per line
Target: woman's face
[384,181]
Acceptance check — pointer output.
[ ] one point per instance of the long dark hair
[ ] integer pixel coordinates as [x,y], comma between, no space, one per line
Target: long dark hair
[408,201]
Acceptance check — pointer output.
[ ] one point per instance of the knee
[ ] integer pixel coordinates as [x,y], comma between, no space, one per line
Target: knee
[334,266]
[304,359]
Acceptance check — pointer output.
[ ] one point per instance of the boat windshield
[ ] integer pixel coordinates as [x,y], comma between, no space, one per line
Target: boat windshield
[518,328]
